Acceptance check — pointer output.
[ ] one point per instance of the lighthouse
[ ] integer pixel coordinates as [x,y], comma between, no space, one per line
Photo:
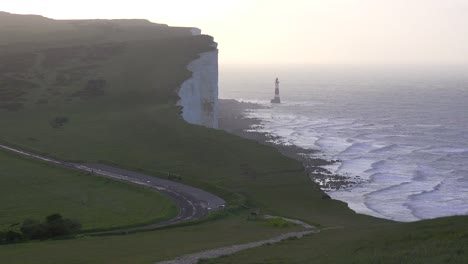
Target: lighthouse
[276,100]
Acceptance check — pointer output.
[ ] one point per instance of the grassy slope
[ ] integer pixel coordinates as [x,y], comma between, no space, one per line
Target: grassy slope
[146,247]
[135,124]
[436,241]
[33,189]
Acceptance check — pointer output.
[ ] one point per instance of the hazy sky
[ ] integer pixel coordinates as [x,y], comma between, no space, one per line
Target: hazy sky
[297,31]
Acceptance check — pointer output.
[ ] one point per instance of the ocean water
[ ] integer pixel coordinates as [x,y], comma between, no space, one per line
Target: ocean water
[400,132]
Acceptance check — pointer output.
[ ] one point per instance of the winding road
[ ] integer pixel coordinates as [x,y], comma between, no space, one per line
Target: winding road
[193,203]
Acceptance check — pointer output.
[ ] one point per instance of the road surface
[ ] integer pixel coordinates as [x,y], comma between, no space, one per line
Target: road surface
[193,203]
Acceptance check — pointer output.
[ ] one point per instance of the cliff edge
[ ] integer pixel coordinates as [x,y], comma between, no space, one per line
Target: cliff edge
[199,94]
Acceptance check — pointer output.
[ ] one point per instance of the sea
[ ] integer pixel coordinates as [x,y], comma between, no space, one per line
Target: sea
[399,132]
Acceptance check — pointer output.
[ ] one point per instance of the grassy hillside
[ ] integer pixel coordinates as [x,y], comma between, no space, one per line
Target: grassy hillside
[435,241]
[118,101]
[141,248]
[110,97]
[33,32]
[49,69]
[34,189]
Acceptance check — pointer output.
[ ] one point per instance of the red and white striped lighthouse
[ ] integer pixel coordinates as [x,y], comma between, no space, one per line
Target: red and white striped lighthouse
[277,99]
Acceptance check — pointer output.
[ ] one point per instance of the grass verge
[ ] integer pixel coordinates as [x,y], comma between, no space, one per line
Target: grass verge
[35,189]
[145,247]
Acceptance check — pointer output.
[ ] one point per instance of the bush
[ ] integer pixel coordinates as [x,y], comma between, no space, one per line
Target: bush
[14,236]
[56,225]
[53,226]
[33,229]
[11,236]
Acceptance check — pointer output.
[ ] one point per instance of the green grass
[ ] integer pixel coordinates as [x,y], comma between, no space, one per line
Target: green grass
[34,189]
[136,124]
[151,137]
[133,123]
[432,241]
[145,247]
[279,222]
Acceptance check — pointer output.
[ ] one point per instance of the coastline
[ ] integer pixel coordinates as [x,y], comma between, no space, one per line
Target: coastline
[231,118]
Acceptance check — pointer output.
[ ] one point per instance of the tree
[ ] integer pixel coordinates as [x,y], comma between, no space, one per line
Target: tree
[13,236]
[53,226]
[33,229]
[58,226]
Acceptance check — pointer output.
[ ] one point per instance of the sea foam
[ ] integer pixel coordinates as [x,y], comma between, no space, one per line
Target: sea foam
[402,138]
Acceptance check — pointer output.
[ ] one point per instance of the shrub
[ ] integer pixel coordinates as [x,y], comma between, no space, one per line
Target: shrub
[33,229]
[53,226]
[56,225]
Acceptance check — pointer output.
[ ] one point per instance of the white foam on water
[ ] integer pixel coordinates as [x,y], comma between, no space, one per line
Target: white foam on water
[392,183]
[333,168]
[405,140]
[442,204]
[355,199]
[446,150]
[254,101]
[333,144]
[358,167]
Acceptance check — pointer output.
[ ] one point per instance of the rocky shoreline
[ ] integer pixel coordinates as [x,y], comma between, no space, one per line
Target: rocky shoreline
[231,118]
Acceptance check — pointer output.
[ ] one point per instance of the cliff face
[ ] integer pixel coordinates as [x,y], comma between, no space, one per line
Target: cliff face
[199,94]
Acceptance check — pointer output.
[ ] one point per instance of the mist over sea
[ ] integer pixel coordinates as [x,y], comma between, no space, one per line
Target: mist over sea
[401,131]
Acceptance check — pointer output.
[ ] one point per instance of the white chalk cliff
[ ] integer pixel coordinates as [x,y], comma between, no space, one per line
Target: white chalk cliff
[199,94]
[195,31]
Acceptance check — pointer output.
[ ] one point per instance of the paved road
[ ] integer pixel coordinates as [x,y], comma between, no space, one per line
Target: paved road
[193,203]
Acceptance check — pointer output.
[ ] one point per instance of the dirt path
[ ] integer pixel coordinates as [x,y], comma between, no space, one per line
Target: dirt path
[219,252]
